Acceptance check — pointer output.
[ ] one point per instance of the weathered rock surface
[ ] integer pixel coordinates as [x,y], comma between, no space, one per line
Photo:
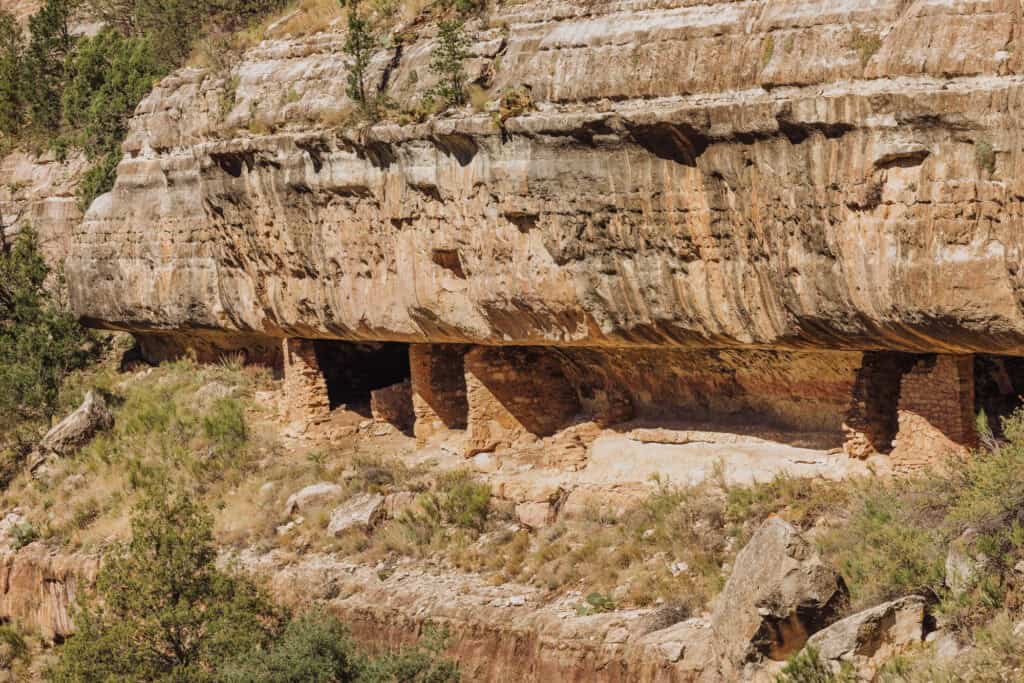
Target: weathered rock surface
[38,588]
[779,593]
[78,428]
[868,639]
[40,191]
[314,494]
[363,511]
[834,175]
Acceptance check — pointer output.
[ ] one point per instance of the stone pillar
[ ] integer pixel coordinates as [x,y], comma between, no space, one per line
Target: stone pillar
[936,410]
[515,395]
[305,401]
[438,388]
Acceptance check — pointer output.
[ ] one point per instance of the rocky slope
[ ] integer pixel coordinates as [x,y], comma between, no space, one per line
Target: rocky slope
[830,175]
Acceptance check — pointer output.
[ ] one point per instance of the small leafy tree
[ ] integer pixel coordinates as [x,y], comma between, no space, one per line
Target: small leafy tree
[359,45]
[446,62]
[40,340]
[163,611]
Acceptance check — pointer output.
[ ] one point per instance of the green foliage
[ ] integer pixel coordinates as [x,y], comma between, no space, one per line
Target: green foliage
[12,103]
[464,502]
[314,648]
[806,666]
[866,45]
[23,534]
[446,62]
[106,78]
[225,424]
[892,544]
[317,648]
[596,603]
[359,46]
[163,611]
[13,647]
[49,47]
[420,663]
[40,341]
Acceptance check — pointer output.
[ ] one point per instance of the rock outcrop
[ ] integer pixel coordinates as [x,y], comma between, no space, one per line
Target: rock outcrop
[38,588]
[769,174]
[868,639]
[779,593]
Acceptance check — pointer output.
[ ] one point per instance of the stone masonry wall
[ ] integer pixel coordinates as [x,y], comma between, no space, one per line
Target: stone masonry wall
[304,397]
[936,410]
[871,422]
[438,388]
[515,395]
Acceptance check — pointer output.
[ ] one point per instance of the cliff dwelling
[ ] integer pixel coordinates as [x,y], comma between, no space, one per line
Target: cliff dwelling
[527,400]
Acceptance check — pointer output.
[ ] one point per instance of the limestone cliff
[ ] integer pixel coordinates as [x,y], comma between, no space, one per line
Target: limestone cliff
[840,175]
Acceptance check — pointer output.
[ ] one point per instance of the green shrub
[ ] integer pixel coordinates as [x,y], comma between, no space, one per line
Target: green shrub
[420,663]
[314,648]
[806,666]
[12,104]
[596,603]
[359,46]
[225,424]
[107,77]
[464,502]
[23,534]
[13,647]
[40,340]
[985,156]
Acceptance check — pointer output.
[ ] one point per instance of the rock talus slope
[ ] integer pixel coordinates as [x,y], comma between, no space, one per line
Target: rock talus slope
[818,174]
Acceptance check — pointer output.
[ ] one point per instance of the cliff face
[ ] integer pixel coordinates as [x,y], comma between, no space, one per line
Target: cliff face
[788,174]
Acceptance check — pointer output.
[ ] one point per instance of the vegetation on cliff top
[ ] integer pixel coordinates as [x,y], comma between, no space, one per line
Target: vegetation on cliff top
[66,91]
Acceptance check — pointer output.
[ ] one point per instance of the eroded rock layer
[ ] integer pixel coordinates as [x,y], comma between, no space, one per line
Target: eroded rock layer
[818,174]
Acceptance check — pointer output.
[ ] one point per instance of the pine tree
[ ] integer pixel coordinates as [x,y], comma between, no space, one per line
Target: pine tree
[11,77]
[446,62]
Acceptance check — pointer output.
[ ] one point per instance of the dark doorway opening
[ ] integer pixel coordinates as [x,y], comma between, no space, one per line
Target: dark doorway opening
[998,386]
[352,370]
[876,397]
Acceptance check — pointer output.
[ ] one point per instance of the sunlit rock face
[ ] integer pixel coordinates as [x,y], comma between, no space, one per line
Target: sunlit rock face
[834,175]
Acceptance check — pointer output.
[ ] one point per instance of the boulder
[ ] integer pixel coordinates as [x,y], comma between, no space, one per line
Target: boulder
[78,428]
[962,564]
[363,511]
[779,593]
[869,638]
[535,514]
[313,494]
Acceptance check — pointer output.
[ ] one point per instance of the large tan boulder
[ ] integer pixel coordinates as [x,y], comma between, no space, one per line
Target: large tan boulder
[779,593]
[869,638]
